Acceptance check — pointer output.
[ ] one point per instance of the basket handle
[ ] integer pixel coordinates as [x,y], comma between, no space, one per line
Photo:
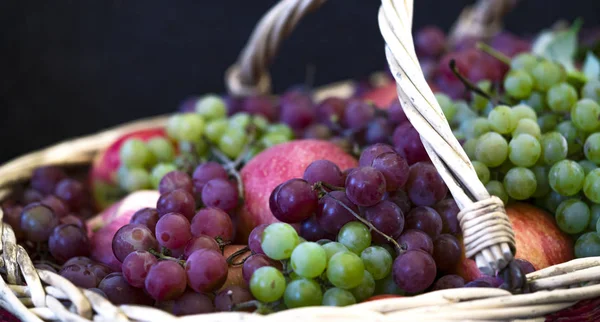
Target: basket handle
[250,74]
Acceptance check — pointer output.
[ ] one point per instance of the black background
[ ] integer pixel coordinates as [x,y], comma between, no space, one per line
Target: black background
[69,68]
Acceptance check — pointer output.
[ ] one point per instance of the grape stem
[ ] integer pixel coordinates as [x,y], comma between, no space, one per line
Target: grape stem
[239,252]
[493,52]
[399,249]
[231,166]
[320,184]
[222,243]
[470,86]
[161,256]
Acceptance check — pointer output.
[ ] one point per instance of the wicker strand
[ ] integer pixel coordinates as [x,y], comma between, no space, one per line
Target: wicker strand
[481,21]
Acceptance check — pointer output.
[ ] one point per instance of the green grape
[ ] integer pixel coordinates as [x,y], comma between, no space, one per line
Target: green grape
[387,286]
[573,216]
[524,61]
[267,284]
[502,120]
[281,129]
[463,113]
[173,124]
[458,134]
[447,106]
[134,179]
[483,172]
[389,249]
[591,186]
[309,259]
[190,127]
[233,141]
[520,183]
[518,84]
[338,297]
[270,139]
[193,148]
[134,154]
[576,78]
[554,148]
[159,171]
[355,236]
[585,115]
[260,123]
[496,188]
[523,111]
[487,110]
[491,149]
[546,74]
[279,240]
[598,226]
[476,127]
[365,289]
[469,147]
[553,200]
[592,148]
[524,150]
[537,101]
[215,129]
[594,217]
[211,107]
[333,248]
[301,240]
[561,97]
[162,149]
[566,177]
[502,170]
[588,245]
[548,122]
[527,126]
[345,270]
[480,102]
[302,292]
[587,166]
[377,261]
[541,177]
[240,120]
[574,136]
[591,90]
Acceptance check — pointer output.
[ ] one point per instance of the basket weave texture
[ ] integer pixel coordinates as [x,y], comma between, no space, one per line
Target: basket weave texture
[39,295]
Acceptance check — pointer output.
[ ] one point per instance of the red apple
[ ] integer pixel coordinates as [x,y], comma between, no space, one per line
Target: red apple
[539,240]
[272,167]
[384,95]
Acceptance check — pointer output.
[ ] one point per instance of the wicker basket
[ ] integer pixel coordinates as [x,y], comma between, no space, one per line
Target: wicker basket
[38,295]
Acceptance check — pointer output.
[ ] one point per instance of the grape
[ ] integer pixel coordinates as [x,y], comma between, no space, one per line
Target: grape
[591,90]
[206,270]
[130,238]
[200,242]
[377,261]
[267,284]
[293,201]
[159,171]
[79,260]
[357,114]
[573,216]
[279,240]
[587,166]
[309,230]
[37,222]
[448,211]
[554,148]
[323,170]
[378,130]
[518,84]
[479,102]
[483,173]
[491,149]
[161,149]
[31,196]
[475,128]
[220,193]
[179,201]
[407,142]
[537,101]
[134,154]
[524,61]
[541,177]
[253,263]
[228,298]
[365,289]
[134,179]
[136,267]
[592,148]
[371,152]
[566,177]
[338,297]
[447,282]
[464,112]
[298,112]
[400,198]
[145,216]
[270,139]
[573,136]
[192,303]
[430,41]
[587,245]
[72,192]
[212,222]
[44,179]
[333,248]
[365,186]
[331,110]
[215,129]
[355,236]
[502,120]
[526,266]
[175,180]
[12,216]
[165,281]
[585,115]
[317,131]
[232,142]
[548,122]
[425,219]
[394,168]
[331,215]
[523,111]
[309,260]
[68,241]
[206,172]
[546,73]
[485,281]
[345,270]
[79,275]
[470,146]
[261,105]
[561,97]
[520,183]
[527,126]
[446,252]
[594,215]
[173,231]
[425,186]
[553,200]
[524,150]
[58,206]
[211,107]
[302,292]
[591,186]
[414,271]
[414,239]
[387,218]
[396,113]
[447,106]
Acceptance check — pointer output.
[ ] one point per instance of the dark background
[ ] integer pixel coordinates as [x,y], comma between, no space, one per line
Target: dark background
[69,68]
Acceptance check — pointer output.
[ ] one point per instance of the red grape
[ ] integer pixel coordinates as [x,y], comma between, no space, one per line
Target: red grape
[407,142]
[175,180]
[220,193]
[396,113]
[81,260]
[317,131]
[255,239]
[179,201]
[448,211]
[446,252]
[212,222]
[59,207]
[425,219]
[401,199]
[31,196]
[165,281]
[293,201]
[425,186]
[324,170]
[358,114]
[253,263]
[72,192]
[145,216]
[312,231]
[378,130]
[430,41]
[44,179]
[371,152]
[12,216]
[68,241]
[136,267]
[261,105]
[387,218]
[130,238]
[74,220]
[413,239]
[200,242]
[206,270]
[230,296]
[365,186]
[394,169]
[447,282]
[331,215]
[526,266]
[79,275]
[414,271]
[331,110]
[192,303]
[100,270]
[206,172]
[297,112]
[118,291]
[173,231]
[37,222]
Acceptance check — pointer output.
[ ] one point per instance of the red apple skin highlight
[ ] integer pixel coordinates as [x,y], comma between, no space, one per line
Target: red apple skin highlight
[274,166]
[539,240]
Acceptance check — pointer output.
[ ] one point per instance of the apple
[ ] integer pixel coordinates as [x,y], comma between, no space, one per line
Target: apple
[274,166]
[539,240]
[384,95]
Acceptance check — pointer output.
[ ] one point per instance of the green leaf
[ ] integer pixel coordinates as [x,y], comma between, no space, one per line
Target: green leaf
[559,46]
[591,66]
